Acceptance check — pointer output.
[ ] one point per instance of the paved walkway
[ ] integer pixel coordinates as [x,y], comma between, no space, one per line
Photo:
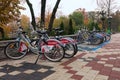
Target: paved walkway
[104,64]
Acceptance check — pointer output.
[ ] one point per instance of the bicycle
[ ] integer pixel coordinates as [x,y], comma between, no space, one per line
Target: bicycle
[92,37]
[70,44]
[51,49]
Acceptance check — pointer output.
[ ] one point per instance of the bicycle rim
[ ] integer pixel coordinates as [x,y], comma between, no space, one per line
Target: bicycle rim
[69,50]
[12,51]
[56,54]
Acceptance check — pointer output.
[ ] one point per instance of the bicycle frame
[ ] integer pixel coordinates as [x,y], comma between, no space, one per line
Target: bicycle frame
[47,44]
[24,42]
[64,40]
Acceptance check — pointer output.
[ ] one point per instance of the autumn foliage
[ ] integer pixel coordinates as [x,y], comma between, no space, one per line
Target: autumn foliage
[9,10]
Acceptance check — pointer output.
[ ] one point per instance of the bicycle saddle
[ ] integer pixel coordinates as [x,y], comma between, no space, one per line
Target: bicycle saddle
[42,32]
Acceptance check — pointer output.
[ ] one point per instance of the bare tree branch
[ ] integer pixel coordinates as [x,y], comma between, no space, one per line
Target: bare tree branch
[32,14]
[53,16]
[43,6]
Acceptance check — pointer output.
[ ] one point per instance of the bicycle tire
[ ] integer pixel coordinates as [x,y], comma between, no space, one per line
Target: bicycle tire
[12,51]
[96,41]
[107,37]
[57,53]
[70,50]
[76,48]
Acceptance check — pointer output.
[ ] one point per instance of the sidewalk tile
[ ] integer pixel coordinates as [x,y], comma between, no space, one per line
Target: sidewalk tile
[115,69]
[101,62]
[2,74]
[29,71]
[115,74]
[14,73]
[108,65]
[77,77]
[101,77]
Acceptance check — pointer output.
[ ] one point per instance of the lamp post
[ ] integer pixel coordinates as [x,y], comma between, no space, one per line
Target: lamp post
[109,17]
[109,24]
[103,19]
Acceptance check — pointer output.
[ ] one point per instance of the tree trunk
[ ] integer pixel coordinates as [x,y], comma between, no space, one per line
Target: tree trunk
[42,21]
[53,16]
[32,14]
[2,33]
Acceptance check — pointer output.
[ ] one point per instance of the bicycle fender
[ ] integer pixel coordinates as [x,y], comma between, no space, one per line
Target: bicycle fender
[54,42]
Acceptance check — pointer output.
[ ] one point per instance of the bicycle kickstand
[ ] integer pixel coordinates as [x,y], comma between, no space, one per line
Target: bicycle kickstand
[37,59]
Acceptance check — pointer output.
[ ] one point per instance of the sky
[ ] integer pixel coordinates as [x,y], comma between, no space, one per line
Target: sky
[66,6]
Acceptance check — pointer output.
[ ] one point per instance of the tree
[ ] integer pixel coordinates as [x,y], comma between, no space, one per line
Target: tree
[43,5]
[32,14]
[107,5]
[70,29]
[77,17]
[48,13]
[62,25]
[25,21]
[2,32]
[115,21]
[53,16]
[9,11]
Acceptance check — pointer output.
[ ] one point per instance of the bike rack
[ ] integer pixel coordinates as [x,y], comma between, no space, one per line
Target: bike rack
[88,47]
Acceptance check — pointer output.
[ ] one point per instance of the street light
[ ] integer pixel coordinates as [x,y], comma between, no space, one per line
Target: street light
[103,18]
[109,24]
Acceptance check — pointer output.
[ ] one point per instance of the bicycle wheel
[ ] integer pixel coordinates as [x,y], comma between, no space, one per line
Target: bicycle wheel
[107,37]
[96,41]
[12,51]
[55,54]
[76,48]
[70,50]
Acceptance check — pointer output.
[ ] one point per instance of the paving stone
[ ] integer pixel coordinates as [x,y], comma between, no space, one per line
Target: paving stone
[42,70]
[93,63]
[112,58]
[60,67]
[93,72]
[85,69]
[101,62]
[81,73]
[101,77]
[1,67]
[113,78]
[14,73]
[116,69]
[105,72]
[17,65]
[98,67]
[115,74]
[104,59]
[77,77]
[29,71]
[71,71]
[64,77]
[108,65]
[59,75]
[2,74]
[89,77]
[118,57]
[110,62]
